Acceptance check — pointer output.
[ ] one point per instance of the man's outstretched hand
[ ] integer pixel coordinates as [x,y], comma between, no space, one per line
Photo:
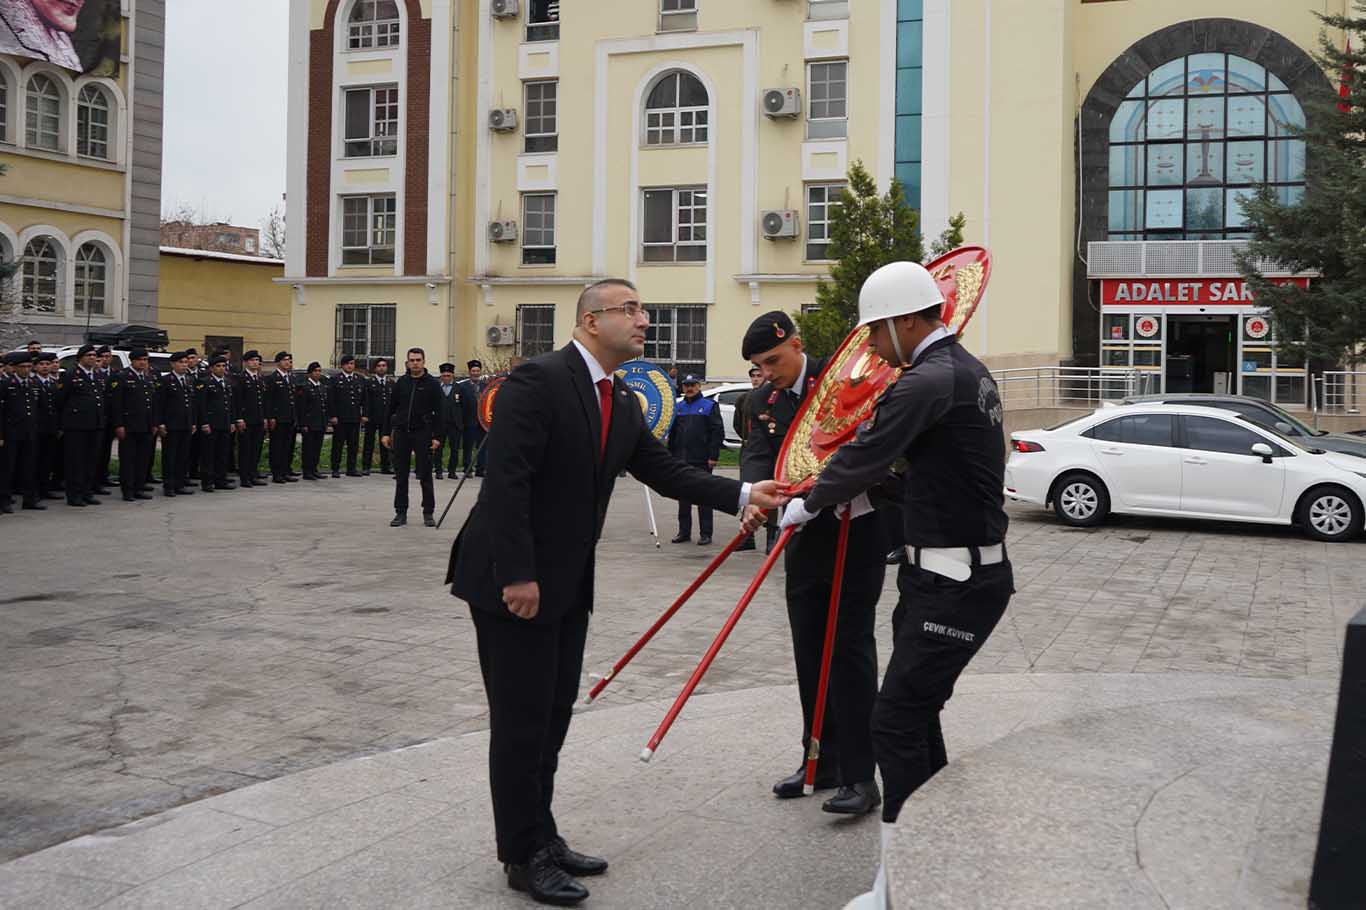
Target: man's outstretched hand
[765,495]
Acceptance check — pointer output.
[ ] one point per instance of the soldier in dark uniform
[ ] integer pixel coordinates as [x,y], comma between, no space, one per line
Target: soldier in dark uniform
[176,408]
[133,412]
[695,438]
[194,372]
[104,356]
[217,424]
[470,389]
[80,400]
[453,420]
[311,406]
[49,427]
[943,415]
[231,377]
[846,759]
[249,405]
[280,418]
[19,411]
[740,421]
[346,412]
[379,389]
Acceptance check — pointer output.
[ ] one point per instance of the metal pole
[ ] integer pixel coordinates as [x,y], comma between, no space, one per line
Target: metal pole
[469,469]
[650,507]
[813,748]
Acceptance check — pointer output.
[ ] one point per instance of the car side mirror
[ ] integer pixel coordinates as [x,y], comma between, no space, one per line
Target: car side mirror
[1285,428]
[1264,450]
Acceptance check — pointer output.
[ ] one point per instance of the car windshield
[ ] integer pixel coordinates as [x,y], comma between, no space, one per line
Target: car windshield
[1293,421]
[1290,441]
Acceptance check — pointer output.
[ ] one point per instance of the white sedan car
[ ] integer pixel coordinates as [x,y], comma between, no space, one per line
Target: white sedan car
[1188,462]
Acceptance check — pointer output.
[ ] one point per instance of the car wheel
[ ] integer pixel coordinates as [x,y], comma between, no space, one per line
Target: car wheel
[1331,513]
[1081,500]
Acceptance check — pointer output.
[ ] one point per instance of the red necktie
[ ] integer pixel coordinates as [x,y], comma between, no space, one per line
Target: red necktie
[605,401]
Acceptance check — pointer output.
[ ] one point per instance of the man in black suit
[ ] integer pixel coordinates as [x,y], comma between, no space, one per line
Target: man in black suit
[280,418]
[378,390]
[452,421]
[133,412]
[19,393]
[346,412]
[213,403]
[565,427]
[249,405]
[470,389]
[311,406]
[176,407]
[50,468]
[846,759]
[81,404]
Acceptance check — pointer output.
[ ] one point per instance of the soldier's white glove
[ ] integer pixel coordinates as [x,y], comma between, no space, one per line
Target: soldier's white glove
[859,505]
[795,514]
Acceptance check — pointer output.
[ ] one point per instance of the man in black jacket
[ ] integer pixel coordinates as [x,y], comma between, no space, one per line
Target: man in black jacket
[213,403]
[133,412]
[346,412]
[414,432]
[565,427]
[470,389]
[311,407]
[80,401]
[249,406]
[452,420]
[846,759]
[176,408]
[695,438]
[280,418]
[379,388]
[19,433]
[49,427]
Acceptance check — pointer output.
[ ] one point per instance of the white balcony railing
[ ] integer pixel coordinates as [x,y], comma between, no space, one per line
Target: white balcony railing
[1344,392]
[1070,387]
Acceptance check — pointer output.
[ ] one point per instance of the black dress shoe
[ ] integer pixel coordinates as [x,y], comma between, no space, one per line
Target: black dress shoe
[141,495]
[790,787]
[90,501]
[76,502]
[386,470]
[35,507]
[129,498]
[399,521]
[857,799]
[704,540]
[206,488]
[576,864]
[291,479]
[146,488]
[336,473]
[279,480]
[184,491]
[429,519]
[226,485]
[168,493]
[365,473]
[747,545]
[101,491]
[312,477]
[6,508]
[545,881]
[682,538]
[440,476]
[355,473]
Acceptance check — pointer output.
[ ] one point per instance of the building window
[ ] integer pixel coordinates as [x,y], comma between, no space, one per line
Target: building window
[373,23]
[676,111]
[365,331]
[371,122]
[675,225]
[827,100]
[1192,140]
[677,15]
[542,125]
[38,272]
[4,107]
[821,202]
[910,55]
[251,245]
[369,224]
[92,123]
[678,337]
[832,9]
[535,330]
[543,20]
[91,280]
[43,119]
[538,229]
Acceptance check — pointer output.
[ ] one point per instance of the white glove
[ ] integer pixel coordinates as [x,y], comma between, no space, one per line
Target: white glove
[795,514]
[859,505]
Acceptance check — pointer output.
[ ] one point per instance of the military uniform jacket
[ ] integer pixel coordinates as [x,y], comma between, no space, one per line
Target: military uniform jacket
[453,411]
[469,400]
[19,409]
[346,398]
[80,398]
[175,403]
[249,399]
[48,422]
[213,404]
[311,405]
[378,392]
[280,397]
[133,402]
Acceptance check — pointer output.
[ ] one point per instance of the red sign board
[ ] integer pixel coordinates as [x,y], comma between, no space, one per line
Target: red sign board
[1182,291]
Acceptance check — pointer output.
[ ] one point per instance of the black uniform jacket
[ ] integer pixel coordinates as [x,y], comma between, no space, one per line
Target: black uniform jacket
[133,401]
[249,399]
[19,403]
[541,508]
[453,411]
[213,403]
[48,415]
[279,397]
[311,405]
[469,402]
[378,392]
[175,403]
[346,398]
[80,400]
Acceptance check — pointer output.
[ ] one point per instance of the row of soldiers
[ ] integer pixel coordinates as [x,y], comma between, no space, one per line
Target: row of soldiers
[57,429]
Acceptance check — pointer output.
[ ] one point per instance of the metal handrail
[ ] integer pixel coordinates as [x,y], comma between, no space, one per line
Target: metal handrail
[1070,387]
[1344,392]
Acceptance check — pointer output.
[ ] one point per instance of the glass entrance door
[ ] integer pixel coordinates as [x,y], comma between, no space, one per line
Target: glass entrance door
[1201,354]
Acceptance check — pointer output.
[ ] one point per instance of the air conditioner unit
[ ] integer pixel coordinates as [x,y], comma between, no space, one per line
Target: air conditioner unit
[503,119]
[782,102]
[504,9]
[779,223]
[502,231]
[499,336]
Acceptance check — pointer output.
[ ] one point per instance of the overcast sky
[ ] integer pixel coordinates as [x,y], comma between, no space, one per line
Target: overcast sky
[226,71]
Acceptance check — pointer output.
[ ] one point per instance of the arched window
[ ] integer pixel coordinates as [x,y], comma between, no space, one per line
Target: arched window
[38,272]
[43,117]
[373,23]
[92,271]
[92,123]
[1195,137]
[4,107]
[676,111]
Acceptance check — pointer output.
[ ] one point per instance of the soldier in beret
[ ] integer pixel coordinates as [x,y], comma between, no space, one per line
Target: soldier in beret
[80,402]
[379,389]
[49,427]
[346,412]
[104,356]
[280,418]
[217,424]
[470,389]
[249,406]
[133,414]
[19,394]
[311,406]
[176,409]
[453,421]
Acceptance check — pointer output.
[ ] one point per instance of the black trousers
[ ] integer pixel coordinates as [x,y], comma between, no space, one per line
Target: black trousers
[347,434]
[175,460]
[195,457]
[18,464]
[106,457]
[367,455]
[82,453]
[281,450]
[213,458]
[249,452]
[846,744]
[938,625]
[703,512]
[473,437]
[531,676]
[449,451]
[149,476]
[135,454]
[312,451]
[51,462]
[407,447]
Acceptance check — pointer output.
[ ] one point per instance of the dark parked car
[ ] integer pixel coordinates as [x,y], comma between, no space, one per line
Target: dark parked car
[1265,414]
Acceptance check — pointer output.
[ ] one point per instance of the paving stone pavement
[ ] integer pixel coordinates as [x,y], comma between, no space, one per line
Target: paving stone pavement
[159,653]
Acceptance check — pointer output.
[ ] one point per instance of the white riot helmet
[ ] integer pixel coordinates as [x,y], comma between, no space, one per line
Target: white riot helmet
[897,289]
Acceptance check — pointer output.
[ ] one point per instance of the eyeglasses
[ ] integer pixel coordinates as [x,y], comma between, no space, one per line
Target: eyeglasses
[631,308]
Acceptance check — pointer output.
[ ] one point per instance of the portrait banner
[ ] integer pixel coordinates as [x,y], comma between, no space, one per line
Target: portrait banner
[83,36]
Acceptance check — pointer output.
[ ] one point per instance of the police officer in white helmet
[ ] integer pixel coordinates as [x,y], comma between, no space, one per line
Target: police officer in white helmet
[943,415]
